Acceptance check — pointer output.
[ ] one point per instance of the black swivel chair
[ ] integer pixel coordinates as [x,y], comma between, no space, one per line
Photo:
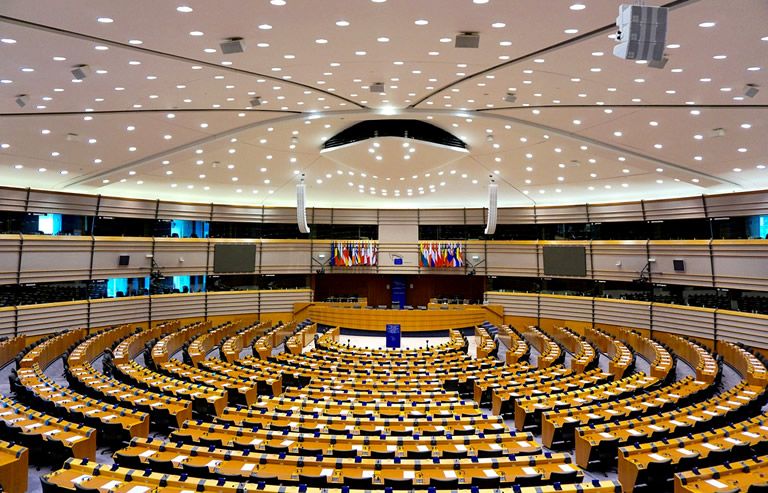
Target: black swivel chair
[313,481]
[128,460]
[481,482]
[399,484]
[444,483]
[564,477]
[358,483]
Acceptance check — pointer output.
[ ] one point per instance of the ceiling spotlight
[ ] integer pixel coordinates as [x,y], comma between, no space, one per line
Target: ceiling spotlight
[232,45]
[751,90]
[80,72]
[468,40]
[377,87]
[256,101]
[510,97]
[22,100]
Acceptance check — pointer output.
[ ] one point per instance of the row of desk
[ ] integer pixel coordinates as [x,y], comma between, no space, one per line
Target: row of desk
[549,352]
[603,441]
[583,355]
[123,480]
[558,427]
[231,348]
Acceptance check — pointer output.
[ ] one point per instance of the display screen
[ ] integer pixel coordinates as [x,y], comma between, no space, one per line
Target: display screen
[565,261]
[234,258]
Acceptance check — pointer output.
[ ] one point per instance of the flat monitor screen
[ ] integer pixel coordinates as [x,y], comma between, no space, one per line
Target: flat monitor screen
[229,259]
[565,261]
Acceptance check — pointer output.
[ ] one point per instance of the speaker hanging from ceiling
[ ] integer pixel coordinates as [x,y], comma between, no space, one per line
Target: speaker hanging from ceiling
[493,198]
[301,206]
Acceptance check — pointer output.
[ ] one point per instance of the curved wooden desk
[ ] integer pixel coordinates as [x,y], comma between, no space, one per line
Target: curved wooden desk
[409,320]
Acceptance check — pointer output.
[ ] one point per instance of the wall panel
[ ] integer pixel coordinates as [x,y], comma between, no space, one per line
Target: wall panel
[695,253]
[13,199]
[407,251]
[108,250]
[621,212]
[133,208]
[566,308]
[52,317]
[168,306]
[622,313]
[55,258]
[515,304]
[9,258]
[684,320]
[114,311]
[738,204]
[398,216]
[747,328]
[62,203]
[223,303]
[355,216]
[513,258]
[666,209]
[242,214]
[561,214]
[285,256]
[281,301]
[741,264]
[179,210]
[516,215]
[7,321]
[618,260]
[182,256]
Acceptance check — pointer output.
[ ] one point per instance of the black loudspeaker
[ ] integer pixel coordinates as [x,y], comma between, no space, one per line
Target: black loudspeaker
[123,260]
[678,265]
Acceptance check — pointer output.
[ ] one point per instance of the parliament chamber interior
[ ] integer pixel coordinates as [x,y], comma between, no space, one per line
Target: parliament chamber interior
[303,246]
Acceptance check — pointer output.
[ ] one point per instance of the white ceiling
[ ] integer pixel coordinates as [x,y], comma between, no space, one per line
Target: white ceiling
[172,121]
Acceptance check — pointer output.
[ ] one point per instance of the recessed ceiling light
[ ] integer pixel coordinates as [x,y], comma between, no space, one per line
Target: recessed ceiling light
[571,31]
[498,25]
[382,39]
[105,20]
[184,9]
[278,3]
[746,125]
[421,22]
[8,41]
[135,41]
[707,24]
[578,6]
[265,27]
[196,33]
[321,41]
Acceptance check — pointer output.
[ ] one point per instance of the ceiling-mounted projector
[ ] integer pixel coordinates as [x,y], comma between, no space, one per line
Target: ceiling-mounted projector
[642,32]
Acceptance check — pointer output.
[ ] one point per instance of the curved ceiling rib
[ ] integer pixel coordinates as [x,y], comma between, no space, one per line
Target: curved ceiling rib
[407,112]
[606,145]
[548,49]
[170,56]
[174,150]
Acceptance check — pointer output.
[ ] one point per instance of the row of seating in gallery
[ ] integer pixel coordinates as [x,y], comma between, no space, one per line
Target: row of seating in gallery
[230,408]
